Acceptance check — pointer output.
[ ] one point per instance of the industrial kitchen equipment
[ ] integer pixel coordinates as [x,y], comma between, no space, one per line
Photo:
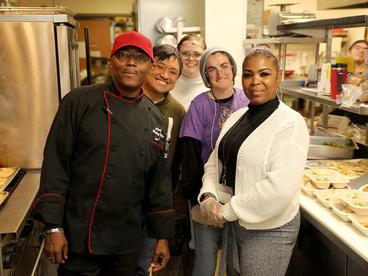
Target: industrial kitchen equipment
[38,66]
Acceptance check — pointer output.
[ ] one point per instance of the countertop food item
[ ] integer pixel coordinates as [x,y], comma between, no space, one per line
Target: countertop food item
[6,172]
[364,188]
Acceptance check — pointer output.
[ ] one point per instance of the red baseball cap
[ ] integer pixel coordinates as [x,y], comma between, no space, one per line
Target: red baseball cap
[133,39]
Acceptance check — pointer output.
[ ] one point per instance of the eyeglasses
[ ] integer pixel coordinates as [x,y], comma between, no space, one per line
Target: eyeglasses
[161,67]
[125,55]
[223,68]
[194,55]
[357,47]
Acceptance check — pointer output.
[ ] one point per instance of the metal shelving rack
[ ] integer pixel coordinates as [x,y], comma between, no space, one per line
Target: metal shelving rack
[319,31]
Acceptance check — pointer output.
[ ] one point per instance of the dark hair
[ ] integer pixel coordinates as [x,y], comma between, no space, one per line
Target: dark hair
[191,37]
[166,51]
[356,42]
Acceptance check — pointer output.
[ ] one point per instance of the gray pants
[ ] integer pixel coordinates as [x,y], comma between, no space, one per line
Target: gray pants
[260,252]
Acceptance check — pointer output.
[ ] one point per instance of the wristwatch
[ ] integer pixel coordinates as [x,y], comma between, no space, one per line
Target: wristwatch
[53,230]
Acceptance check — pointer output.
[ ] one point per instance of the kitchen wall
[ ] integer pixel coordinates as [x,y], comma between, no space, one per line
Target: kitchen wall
[150,11]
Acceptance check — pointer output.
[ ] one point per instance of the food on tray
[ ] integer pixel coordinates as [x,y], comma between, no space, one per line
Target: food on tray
[351,169]
[321,179]
[364,223]
[361,204]
[334,144]
[364,188]
[358,206]
[6,172]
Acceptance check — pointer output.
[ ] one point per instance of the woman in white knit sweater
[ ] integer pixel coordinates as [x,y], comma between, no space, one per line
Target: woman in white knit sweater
[252,178]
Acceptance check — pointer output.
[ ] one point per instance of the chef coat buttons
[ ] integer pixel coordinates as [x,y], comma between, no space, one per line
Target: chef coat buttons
[112,148]
[107,176]
[141,154]
[145,129]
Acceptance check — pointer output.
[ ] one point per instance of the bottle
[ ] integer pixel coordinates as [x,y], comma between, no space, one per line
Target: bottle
[334,81]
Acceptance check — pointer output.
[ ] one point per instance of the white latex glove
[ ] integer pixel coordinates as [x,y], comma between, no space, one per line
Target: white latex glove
[213,212]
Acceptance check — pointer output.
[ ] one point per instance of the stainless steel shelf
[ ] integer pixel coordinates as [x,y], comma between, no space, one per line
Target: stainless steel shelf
[343,22]
[285,39]
[357,108]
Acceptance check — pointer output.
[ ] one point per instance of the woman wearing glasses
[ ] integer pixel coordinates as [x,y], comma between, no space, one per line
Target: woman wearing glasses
[190,84]
[199,131]
[356,52]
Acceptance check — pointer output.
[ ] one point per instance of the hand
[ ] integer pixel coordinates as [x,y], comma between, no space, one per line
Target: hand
[197,215]
[56,248]
[161,255]
[213,212]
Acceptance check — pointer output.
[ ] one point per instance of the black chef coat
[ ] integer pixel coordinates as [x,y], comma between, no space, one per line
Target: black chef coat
[103,166]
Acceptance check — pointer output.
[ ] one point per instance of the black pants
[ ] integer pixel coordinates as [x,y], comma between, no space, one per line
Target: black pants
[91,265]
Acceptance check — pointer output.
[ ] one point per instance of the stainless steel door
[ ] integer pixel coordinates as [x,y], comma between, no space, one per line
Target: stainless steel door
[28,91]
[68,59]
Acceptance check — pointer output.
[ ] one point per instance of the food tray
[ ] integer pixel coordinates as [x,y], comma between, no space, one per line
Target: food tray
[360,223]
[323,178]
[328,196]
[358,206]
[308,188]
[327,147]
[351,168]
[6,176]
[341,211]
[3,198]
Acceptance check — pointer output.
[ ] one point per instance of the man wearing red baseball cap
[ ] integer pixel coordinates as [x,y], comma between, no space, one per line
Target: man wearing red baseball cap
[104,166]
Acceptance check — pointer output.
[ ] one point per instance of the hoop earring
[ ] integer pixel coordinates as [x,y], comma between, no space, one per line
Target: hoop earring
[279,93]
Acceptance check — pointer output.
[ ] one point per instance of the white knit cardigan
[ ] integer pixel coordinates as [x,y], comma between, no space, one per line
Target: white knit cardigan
[269,170]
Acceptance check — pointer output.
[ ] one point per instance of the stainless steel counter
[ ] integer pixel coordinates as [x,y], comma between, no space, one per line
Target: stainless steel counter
[19,205]
[16,211]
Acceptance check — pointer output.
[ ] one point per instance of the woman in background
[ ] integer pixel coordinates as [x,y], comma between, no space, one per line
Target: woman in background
[259,157]
[191,47]
[199,131]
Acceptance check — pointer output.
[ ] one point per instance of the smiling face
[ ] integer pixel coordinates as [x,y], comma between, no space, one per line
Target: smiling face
[191,52]
[129,69]
[162,77]
[260,79]
[219,72]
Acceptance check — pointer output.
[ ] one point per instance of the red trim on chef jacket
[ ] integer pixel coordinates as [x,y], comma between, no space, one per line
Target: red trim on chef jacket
[103,172]
[45,195]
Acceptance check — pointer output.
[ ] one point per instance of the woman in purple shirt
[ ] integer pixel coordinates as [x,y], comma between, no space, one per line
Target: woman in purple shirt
[199,131]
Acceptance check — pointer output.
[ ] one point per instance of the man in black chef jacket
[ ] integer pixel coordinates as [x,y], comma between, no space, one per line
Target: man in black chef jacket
[104,165]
